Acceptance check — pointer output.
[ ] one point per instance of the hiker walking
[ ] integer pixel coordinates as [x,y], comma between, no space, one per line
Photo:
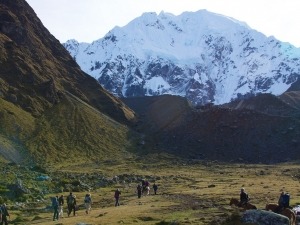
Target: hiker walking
[4,214]
[87,203]
[139,190]
[55,207]
[155,187]
[61,202]
[117,197]
[71,201]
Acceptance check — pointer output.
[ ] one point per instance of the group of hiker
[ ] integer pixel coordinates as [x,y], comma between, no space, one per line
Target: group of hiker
[283,201]
[58,202]
[72,207]
[144,187]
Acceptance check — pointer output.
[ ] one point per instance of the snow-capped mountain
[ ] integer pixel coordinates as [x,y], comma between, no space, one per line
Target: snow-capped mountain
[203,56]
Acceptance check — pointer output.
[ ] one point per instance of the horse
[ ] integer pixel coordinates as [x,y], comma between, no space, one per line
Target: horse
[246,206]
[285,212]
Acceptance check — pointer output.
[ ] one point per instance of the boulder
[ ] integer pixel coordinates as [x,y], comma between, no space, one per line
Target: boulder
[18,189]
[261,217]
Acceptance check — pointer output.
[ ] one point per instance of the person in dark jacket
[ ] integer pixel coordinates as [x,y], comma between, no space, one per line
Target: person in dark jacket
[55,207]
[155,187]
[71,202]
[244,198]
[283,202]
[139,190]
[4,214]
[117,197]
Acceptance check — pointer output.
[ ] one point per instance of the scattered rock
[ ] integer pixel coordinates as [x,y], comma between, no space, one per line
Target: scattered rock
[261,217]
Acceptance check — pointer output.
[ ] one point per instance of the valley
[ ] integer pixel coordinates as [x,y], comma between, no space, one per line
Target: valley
[189,192]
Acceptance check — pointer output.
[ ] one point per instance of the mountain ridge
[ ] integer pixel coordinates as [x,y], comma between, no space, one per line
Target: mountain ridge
[206,57]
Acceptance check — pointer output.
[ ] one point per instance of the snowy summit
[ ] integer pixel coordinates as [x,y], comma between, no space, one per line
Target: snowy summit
[206,57]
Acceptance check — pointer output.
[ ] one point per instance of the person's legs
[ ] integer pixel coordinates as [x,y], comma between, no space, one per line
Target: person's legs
[87,207]
[74,210]
[69,210]
[61,211]
[55,214]
[4,220]
[117,201]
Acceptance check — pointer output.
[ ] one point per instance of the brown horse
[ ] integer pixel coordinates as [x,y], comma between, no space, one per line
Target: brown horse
[285,212]
[246,206]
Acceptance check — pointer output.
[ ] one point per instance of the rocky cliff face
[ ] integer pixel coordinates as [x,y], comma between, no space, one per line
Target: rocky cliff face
[205,57]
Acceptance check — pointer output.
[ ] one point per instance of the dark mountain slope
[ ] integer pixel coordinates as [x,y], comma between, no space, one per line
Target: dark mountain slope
[159,112]
[219,133]
[292,95]
[226,134]
[49,109]
[268,104]
[292,98]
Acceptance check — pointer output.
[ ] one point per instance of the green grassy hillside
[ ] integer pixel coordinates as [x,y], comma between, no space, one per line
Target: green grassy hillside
[70,131]
[15,128]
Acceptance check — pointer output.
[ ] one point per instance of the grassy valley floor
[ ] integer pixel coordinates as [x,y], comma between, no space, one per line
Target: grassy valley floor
[191,192]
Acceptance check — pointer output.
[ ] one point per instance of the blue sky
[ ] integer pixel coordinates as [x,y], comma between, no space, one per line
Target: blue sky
[89,20]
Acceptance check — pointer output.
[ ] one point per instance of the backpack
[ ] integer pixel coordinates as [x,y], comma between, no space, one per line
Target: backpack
[286,200]
[71,200]
[54,202]
[87,199]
